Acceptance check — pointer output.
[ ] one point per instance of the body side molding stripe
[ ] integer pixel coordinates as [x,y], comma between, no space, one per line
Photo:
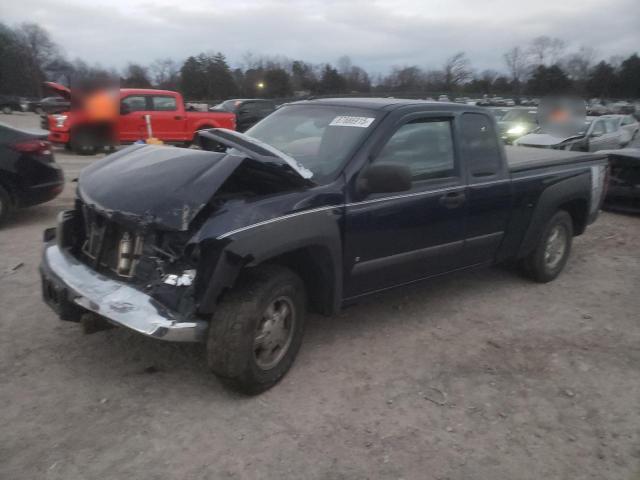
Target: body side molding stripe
[395,197]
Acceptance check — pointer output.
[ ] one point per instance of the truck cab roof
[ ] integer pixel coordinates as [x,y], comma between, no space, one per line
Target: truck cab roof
[146,91]
[389,104]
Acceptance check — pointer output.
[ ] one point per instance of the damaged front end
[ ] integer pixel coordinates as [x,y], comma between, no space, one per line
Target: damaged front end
[132,251]
[138,278]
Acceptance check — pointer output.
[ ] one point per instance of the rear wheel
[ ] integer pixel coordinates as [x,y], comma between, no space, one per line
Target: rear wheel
[551,253]
[7,110]
[257,329]
[5,204]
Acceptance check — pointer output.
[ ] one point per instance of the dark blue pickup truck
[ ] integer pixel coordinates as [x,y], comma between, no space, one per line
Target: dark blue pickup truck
[321,203]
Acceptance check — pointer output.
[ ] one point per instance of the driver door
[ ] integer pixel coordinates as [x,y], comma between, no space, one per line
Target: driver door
[131,123]
[397,238]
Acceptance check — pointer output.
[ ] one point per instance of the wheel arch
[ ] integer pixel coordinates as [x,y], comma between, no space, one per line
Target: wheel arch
[571,194]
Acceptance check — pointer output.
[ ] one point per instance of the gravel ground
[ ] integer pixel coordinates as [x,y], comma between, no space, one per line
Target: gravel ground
[481,375]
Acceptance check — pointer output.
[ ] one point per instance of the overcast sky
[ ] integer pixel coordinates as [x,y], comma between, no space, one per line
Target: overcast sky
[375,34]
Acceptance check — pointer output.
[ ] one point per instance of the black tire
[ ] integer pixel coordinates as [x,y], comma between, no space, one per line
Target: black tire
[550,255]
[6,205]
[237,330]
[7,110]
[38,110]
[82,142]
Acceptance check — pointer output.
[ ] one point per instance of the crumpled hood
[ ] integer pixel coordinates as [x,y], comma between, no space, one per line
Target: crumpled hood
[544,139]
[61,90]
[155,185]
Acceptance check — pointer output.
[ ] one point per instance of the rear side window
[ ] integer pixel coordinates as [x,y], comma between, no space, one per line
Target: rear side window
[598,128]
[611,125]
[426,147]
[136,103]
[164,103]
[479,145]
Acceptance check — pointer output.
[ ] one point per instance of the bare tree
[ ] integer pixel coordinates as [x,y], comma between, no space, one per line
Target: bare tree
[38,50]
[165,73]
[544,50]
[578,64]
[136,76]
[489,76]
[434,80]
[404,78]
[457,70]
[516,61]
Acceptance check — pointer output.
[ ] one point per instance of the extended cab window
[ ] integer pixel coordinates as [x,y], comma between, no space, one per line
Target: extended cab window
[426,147]
[164,103]
[135,103]
[479,145]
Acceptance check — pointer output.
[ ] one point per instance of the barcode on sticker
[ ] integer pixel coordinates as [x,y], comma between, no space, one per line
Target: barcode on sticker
[347,121]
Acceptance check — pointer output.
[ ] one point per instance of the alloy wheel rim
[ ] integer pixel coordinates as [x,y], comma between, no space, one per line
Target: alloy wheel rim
[555,247]
[274,333]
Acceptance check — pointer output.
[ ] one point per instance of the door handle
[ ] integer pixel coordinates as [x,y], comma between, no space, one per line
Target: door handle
[452,199]
[177,117]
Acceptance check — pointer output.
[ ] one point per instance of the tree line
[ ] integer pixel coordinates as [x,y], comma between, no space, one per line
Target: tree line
[28,56]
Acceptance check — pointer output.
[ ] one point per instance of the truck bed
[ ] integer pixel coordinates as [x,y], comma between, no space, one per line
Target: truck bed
[528,158]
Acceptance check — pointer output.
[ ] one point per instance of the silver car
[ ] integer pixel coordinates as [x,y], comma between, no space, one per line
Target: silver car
[630,127]
[596,133]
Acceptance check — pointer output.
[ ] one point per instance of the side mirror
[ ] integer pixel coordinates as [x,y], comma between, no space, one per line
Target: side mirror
[124,109]
[384,178]
[595,134]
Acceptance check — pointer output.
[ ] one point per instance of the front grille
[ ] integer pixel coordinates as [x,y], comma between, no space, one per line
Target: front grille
[107,245]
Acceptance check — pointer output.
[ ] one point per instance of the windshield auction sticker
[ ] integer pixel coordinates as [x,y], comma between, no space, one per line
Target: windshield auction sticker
[346,121]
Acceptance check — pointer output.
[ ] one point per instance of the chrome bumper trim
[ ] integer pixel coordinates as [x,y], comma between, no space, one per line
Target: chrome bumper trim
[118,302]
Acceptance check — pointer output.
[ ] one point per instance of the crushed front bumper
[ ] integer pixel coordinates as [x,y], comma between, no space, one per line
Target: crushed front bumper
[69,286]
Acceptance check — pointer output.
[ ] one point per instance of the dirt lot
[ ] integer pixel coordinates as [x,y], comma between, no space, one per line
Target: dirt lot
[482,375]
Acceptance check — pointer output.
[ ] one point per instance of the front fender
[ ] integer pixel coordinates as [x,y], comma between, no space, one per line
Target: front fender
[316,229]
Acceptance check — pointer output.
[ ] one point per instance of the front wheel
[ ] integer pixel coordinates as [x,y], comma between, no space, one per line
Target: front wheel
[551,253]
[256,332]
[7,110]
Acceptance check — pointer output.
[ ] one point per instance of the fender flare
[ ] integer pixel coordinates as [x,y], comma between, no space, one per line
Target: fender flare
[576,188]
[248,249]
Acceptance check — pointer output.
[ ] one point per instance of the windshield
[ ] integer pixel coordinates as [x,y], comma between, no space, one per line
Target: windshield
[525,116]
[319,137]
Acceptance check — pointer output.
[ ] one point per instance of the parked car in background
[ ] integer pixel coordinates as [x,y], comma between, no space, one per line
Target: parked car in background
[596,109]
[498,112]
[443,98]
[28,172]
[630,127]
[516,122]
[169,119]
[248,111]
[623,193]
[53,104]
[322,203]
[10,104]
[623,108]
[592,135]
